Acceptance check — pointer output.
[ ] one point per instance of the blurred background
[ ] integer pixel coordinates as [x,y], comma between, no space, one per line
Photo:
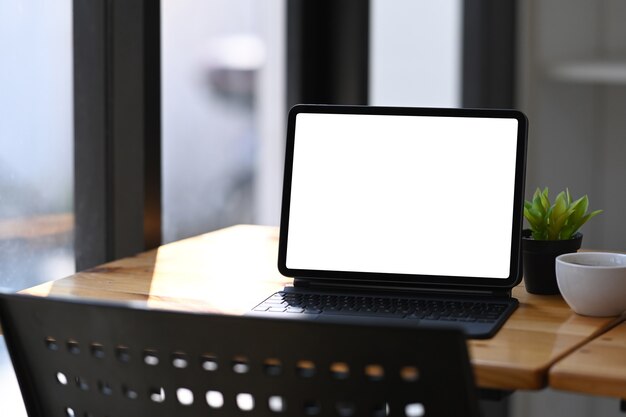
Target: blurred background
[230,69]
[223,89]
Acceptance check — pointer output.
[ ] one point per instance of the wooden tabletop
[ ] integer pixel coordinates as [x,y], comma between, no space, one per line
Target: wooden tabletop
[597,368]
[232,270]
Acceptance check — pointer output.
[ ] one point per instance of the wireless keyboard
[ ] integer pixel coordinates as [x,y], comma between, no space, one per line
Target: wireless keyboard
[478,317]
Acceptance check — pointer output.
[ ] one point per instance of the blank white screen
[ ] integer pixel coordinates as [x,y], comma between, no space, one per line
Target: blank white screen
[402,194]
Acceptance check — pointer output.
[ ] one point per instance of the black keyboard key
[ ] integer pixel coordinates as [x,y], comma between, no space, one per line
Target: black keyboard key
[430,309]
[363,313]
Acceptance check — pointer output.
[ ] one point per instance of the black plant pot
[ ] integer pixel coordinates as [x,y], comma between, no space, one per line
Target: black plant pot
[539,261]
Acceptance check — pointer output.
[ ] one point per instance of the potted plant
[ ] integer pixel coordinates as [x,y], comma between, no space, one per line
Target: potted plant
[553,231]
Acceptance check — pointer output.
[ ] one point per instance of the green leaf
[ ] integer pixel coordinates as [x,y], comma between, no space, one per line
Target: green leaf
[528,205]
[559,207]
[588,217]
[537,205]
[558,216]
[567,232]
[543,198]
[595,213]
[579,207]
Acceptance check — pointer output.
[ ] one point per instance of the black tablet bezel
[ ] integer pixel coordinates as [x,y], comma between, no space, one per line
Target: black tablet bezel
[408,280]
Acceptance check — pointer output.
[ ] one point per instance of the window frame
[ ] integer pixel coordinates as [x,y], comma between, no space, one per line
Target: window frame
[327,52]
[117,129]
[489,53]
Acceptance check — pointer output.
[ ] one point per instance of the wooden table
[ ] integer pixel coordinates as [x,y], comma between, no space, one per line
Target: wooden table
[231,270]
[597,368]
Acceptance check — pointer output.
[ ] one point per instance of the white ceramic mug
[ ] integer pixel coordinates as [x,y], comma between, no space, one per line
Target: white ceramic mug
[593,283]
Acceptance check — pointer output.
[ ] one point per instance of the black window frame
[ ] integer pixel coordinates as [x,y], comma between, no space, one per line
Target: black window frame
[327,52]
[489,53]
[117,129]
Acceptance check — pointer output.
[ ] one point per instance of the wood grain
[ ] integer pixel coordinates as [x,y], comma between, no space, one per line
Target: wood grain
[540,332]
[597,368]
[231,270]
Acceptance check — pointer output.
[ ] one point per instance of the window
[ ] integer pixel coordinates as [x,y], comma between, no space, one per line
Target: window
[222,112]
[415,56]
[36,143]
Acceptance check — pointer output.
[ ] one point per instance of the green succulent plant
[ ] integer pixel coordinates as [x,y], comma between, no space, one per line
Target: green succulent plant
[558,220]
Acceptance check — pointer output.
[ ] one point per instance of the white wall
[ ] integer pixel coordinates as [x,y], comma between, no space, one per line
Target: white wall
[577,138]
[577,135]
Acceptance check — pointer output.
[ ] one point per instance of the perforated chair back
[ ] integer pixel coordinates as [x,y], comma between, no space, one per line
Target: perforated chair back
[89,359]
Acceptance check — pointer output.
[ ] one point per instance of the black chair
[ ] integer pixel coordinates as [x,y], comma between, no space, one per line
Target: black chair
[91,359]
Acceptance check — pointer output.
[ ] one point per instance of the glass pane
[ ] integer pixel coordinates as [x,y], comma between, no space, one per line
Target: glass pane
[36,142]
[415,57]
[216,57]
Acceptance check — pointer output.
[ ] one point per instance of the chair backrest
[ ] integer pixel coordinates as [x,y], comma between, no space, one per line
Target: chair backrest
[91,359]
